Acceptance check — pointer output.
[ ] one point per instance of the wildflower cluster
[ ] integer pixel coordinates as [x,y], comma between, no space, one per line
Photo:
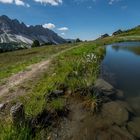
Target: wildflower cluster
[84,71]
[90,58]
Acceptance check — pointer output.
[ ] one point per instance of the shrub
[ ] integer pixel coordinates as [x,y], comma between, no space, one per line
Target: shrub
[78,40]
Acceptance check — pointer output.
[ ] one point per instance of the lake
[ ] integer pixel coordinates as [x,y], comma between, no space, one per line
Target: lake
[121,68]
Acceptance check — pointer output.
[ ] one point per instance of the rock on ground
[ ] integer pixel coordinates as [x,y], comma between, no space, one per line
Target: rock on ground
[2,106]
[54,94]
[17,113]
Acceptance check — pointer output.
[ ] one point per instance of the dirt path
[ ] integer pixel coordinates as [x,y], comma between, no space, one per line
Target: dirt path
[30,71]
[21,76]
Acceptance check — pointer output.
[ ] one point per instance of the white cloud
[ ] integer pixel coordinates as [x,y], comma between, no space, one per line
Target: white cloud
[113,1]
[51,2]
[63,29]
[49,26]
[16,2]
[28,5]
[19,2]
[6,1]
[22,3]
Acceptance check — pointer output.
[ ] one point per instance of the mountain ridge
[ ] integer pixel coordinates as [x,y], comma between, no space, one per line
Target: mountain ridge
[11,30]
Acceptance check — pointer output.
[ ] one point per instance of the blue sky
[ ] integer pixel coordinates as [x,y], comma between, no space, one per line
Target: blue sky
[86,19]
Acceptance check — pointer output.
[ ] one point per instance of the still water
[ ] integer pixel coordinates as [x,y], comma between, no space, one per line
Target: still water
[121,68]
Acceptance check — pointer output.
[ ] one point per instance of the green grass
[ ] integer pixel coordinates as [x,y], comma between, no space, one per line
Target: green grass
[57,104]
[11,132]
[70,68]
[132,32]
[77,68]
[13,62]
[115,39]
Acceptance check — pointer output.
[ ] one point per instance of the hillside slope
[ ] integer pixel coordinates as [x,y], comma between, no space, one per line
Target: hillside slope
[120,36]
[131,32]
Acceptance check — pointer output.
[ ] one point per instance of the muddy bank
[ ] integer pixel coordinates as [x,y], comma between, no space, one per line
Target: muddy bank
[115,120]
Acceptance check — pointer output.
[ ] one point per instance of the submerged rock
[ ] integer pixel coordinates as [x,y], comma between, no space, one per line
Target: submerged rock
[126,106]
[135,103]
[122,132]
[113,133]
[104,87]
[115,112]
[17,113]
[134,127]
[119,94]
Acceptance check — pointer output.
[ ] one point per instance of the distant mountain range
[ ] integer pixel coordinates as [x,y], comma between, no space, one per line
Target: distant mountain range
[12,31]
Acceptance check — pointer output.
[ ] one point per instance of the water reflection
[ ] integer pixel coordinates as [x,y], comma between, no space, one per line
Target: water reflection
[134,49]
[121,67]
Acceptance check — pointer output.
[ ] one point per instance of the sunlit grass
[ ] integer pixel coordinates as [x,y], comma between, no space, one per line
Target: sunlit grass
[77,68]
[70,68]
[13,62]
[11,132]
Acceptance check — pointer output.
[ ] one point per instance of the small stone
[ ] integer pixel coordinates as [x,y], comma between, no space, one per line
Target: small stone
[69,92]
[17,114]
[2,106]
[49,138]
[134,127]
[54,94]
[104,87]
[58,92]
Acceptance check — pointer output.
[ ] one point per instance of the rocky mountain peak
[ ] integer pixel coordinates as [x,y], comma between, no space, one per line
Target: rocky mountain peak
[11,30]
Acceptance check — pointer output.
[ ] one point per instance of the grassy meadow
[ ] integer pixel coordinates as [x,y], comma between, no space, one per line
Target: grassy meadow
[16,61]
[77,69]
